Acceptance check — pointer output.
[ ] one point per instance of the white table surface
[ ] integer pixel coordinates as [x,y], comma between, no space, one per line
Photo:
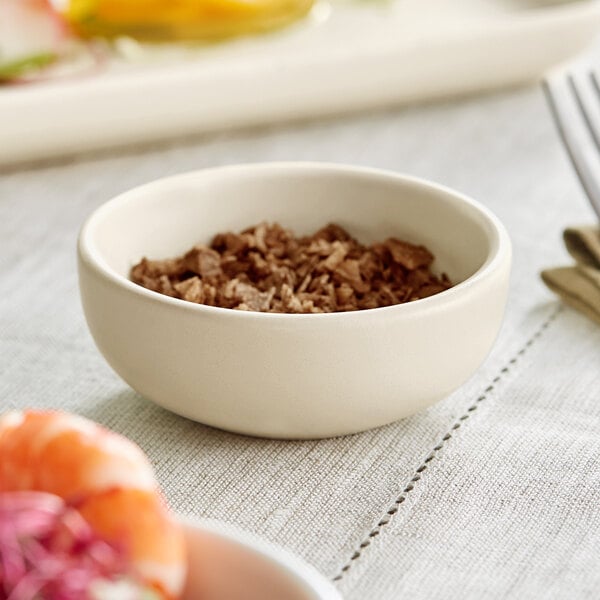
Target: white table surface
[508,506]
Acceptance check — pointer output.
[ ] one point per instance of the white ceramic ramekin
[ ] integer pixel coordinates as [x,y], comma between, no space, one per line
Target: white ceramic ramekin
[225,563]
[293,376]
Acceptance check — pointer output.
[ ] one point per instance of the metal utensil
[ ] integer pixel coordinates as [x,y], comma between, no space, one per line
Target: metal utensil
[574,100]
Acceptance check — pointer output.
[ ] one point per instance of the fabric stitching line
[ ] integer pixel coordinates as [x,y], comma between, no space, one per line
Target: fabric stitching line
[375,531]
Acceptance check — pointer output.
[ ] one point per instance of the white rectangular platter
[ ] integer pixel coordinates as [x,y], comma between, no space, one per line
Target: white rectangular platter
[348,55]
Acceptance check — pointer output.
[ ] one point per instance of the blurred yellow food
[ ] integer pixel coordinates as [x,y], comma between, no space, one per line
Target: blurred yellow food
[182,19]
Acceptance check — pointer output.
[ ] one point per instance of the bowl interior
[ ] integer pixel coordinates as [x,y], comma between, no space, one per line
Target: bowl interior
[166,218]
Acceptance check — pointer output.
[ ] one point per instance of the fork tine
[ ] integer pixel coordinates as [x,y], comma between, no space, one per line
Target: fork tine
[585,93]
[596,90]
[573,128]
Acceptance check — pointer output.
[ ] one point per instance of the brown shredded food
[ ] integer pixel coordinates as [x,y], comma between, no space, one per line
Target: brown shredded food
[266,268]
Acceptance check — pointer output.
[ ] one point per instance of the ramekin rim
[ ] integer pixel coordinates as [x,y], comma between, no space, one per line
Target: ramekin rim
[302,571]
[500,245]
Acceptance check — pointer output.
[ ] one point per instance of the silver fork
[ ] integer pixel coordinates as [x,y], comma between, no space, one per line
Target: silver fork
[574,100]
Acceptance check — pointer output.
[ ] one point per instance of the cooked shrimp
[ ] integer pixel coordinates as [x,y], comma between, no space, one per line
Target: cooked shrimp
[102,481]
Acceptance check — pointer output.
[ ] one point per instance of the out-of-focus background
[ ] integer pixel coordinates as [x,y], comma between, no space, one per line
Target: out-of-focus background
[78,75]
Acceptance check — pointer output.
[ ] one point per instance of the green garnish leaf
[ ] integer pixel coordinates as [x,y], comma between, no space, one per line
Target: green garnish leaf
[17,68]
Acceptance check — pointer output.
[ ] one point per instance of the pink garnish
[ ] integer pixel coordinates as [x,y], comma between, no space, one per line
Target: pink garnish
[47,550]
[36,44]
[30,27]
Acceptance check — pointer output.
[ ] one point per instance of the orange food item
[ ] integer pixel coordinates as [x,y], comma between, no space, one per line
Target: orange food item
[182,19]
[102,478]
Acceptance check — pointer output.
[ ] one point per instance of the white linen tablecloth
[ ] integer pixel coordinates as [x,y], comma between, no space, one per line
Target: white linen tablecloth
[492,493]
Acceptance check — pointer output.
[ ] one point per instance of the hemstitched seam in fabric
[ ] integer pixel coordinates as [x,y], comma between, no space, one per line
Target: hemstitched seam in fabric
[457,424]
